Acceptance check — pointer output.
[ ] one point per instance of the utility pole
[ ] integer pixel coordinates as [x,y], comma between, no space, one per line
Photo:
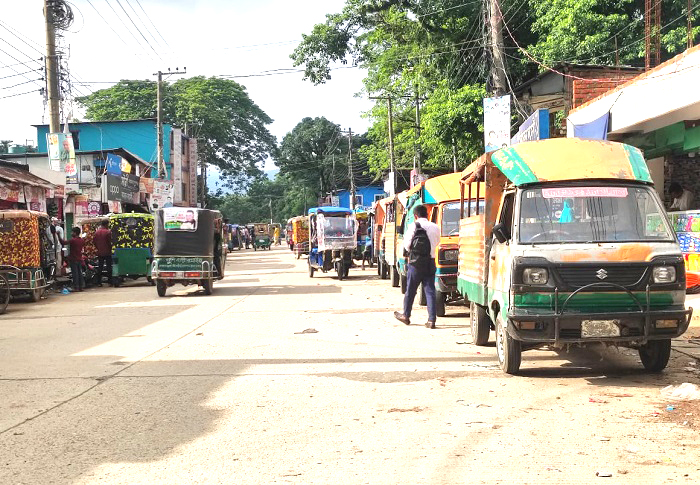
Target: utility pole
[390,118]
[454,155]
[498,68]
[159,122]
[51,64]
[419,153]
[352,178]
[690,23]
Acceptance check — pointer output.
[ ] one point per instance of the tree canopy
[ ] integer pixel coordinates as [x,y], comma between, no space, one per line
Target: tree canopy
[231,128]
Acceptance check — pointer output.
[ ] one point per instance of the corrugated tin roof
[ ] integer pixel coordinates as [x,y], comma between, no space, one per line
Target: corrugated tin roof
[24,177]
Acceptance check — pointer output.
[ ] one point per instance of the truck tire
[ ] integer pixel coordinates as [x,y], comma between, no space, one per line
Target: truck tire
[385,271]
[508,350]
[655,354]
[440,302]
[311,268]
[394,275]
[161,287]
[480,324]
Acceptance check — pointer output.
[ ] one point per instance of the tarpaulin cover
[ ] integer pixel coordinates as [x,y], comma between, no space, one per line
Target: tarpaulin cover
[199,242]
[336,232]
[19,239]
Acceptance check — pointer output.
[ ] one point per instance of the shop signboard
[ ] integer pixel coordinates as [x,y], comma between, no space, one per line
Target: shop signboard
[9,192]
[496,122]
[535,127]
[123,188]
[162,195]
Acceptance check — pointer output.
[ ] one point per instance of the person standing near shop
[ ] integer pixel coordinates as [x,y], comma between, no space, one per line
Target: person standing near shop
[420,242]
[103,243]
[75,258]
[683,199]
[57,231]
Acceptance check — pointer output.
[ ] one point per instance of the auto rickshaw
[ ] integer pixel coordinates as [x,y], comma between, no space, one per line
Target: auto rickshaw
[289,234]
[235,238]
[262,240]
[189,248]
[132,245]
[363,251]
[27,253]
[333,240]
[300,235]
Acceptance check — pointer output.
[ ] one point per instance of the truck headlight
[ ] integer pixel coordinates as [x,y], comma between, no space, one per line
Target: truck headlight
[535,276]
[664,274]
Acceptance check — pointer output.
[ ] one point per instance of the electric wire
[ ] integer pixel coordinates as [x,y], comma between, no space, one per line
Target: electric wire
[20,94]
[129,30]
[137,29]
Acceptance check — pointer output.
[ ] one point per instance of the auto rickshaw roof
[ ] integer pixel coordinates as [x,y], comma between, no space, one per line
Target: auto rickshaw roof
[21,214]
[441,188]
[330,210]
[562,159]
[126,215]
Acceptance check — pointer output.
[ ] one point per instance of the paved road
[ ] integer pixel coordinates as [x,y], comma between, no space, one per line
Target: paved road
[279,378]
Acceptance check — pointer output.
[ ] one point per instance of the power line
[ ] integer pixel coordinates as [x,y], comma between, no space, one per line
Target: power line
[22,63]
[5,26]
[21,94]
[22,83]
[145,27]
[128,29]
[156,28]
[108,24]
[137,29]
[13,57]
[20,73]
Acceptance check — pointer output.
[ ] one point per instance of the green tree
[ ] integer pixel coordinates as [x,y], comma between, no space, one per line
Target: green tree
[231,128]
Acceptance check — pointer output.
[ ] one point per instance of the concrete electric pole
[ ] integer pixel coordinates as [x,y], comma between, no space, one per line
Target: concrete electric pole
[352,178]
[390,118]
[51,63]
[159,122]
[498,68]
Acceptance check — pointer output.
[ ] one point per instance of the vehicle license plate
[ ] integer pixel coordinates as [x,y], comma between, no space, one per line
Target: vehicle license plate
[600,328]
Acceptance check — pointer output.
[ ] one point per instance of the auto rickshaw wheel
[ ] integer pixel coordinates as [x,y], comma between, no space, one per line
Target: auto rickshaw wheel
[339,268]
[440,302]
[404,284]
[394,275]
[655,354]
[480,324]
[208,286]
[161,287]
[35,294]
[509,350]
[4,293]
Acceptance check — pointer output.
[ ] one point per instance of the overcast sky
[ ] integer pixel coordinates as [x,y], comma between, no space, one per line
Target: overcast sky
[209,37]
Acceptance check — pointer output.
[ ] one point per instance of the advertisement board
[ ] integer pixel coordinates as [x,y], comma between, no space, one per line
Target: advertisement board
[177,219]
[62,155]
[496,122]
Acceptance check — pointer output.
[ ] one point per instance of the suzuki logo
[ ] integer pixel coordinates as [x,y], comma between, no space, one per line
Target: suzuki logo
[601,274]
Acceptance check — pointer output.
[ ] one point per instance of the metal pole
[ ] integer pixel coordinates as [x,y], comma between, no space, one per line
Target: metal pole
[54,94]
[159,122]
[391,146]
[419,153]
[352,179]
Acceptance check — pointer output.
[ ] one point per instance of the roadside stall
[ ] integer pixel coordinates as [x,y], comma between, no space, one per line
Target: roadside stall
[687,227]
[300,235]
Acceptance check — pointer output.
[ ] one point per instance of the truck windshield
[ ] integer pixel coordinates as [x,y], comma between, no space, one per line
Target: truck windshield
[591,214]
[450,216]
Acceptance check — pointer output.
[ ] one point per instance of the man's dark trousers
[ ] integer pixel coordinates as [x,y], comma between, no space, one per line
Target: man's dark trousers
[416,276]
[103,261]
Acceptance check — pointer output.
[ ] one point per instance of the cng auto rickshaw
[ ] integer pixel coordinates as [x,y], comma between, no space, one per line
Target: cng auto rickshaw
[263,239]
[27,254]
[333,240]
[363,251]
[189,248]
[572,247]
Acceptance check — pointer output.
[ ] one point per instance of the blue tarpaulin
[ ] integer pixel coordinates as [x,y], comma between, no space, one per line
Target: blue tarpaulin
[594,130]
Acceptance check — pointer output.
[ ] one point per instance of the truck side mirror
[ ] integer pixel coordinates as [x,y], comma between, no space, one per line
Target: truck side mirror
[499,231]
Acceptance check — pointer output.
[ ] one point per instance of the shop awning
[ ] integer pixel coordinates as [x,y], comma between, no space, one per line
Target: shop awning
[658,98]
[21,176]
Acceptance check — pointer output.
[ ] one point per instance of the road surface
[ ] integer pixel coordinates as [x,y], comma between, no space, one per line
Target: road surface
[282,378]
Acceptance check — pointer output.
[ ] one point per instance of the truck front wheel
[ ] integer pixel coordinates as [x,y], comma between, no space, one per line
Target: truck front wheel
[480,324]
[655,354]
[508,350]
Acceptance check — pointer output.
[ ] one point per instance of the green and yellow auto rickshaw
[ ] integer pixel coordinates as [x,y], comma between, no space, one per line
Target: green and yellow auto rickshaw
[263,239]
[189,248]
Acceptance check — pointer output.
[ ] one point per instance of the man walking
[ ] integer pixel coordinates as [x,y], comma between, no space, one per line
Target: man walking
[420,242]
[103,244]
